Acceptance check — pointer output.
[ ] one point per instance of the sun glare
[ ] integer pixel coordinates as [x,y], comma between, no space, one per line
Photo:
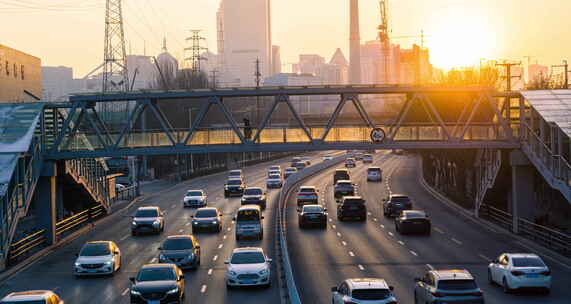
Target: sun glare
[460,39]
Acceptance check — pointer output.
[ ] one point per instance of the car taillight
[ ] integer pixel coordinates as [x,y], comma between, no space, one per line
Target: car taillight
[517,273]
[438,294]
[545,273]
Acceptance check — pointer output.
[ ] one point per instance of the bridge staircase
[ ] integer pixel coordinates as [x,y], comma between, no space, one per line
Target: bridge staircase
[488,164]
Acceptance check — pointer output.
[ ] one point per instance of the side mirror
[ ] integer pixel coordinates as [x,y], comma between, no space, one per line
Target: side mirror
[77,255]
[160,248]
[334,289]
[298,209]
[116,252]
[192,216]
[324,209]
[494,261]
[221,214]
[391,288]
[226,262]
[197,246]
[132,279]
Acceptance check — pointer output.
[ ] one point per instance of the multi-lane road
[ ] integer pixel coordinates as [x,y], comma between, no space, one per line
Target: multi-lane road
[320,258]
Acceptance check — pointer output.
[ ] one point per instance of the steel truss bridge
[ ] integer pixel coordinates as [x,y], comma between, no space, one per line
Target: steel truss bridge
[428,118]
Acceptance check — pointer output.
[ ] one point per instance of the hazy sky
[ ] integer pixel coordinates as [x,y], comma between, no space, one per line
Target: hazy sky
[70,32]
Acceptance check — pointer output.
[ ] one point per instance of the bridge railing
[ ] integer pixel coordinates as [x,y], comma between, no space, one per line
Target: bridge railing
[91,174]
[548,237]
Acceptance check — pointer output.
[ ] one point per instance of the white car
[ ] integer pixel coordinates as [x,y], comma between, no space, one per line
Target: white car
[97,258]
[248,266]
[367,158]
[327,157]
[363,290]
[275,168]
[519,270]
[195,198]
[33,296]
[274,181]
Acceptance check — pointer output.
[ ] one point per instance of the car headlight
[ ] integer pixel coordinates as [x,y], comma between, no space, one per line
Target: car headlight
[263,272]
[135,293]
[134,223]
[191,256]
[156,223]
[108,262]
[214,222]
[195,222]
[77,264]
[174,290]
[232,272]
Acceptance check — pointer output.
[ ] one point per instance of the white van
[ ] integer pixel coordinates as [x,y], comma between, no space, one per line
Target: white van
[249,222]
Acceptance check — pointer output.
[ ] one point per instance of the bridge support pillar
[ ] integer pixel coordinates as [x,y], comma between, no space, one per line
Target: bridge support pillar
[48,197]
[523,201]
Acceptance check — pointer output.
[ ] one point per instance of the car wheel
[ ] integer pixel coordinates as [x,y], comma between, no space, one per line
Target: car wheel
[300,225]
[228,286]
[506,287]
[225,194]
[324,225]
[237,237]
[133,233]
[428,231]
[547,291]
[268,285]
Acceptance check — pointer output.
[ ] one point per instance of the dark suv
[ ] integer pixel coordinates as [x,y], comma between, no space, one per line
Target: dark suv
[344,188]
[395,204]
[352,207]
[234,186]
[158,283]
[255,196]
[181,250]
[341,174]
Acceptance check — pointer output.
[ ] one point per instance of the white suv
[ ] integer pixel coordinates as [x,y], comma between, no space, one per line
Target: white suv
[519,270]
[248,266]
[363,290]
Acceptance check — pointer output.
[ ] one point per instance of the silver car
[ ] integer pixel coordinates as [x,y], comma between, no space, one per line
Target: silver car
[363,290]
[98,258]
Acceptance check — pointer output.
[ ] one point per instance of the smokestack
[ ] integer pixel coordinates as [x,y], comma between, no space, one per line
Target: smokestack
[354,44]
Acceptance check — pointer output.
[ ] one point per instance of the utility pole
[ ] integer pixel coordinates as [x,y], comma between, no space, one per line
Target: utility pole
[565,66]
[213,81]
[195,50]
[258,76]
[508,67]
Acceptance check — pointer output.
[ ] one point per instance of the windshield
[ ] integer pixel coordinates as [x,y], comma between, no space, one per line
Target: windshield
[274,168]
[177,244]
[147,213]
[307,190]
[247,215]
[370,294]
[400,199]
[234,182]
[156,274]
[353,201]
[274,176]
[345,184]
[95,250]
[205,213]
[457,284]
[312,209]
[253,191]
[290,170]
[235,173]
[374,170]
[194,193]
[527,262]
[247,258]
[412,215]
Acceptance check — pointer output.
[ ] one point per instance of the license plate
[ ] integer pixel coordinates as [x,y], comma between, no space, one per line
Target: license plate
[248,282]
[154,302]
[91,270]
[532,275]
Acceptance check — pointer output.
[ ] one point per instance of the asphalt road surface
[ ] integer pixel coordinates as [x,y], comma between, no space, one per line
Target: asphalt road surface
[322,259]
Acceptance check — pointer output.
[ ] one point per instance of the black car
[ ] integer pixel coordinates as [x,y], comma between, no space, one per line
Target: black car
[148,219]
[352,207]
[234,187]
[254,196]
[300,165]
[395,204]
[344,188]
[181,250]
[413,221]
[158,283]
[312,215]
[341,174]
[208,218]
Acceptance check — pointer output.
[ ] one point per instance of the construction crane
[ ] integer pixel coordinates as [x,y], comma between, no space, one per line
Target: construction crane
[383,35]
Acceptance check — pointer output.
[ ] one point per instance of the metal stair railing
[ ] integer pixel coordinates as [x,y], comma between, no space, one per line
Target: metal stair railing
[20,192]
[89,173]
[554,168]
[490,164]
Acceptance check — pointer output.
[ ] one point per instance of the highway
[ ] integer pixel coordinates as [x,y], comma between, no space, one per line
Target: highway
[204,285]
[324,258]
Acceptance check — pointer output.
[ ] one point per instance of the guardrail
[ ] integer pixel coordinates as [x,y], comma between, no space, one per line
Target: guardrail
[548,237]
[78,219]
[19,248]
[288,186]
[127,193]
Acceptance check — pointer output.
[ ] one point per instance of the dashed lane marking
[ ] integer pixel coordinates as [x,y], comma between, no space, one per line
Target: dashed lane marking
[344,243]
[210,271]
[438,230]
[215,258]
[456,241]
[153,260]
[484,257]
[338,234]
[401,242]
[173,206]
[413,253]
[331,220]
[180,230]
[391,234]
[351,253]
[123,238]
[229,229]
[187,224]
[224,237]
[220,246]
[375,219]
[333,226]
[382,226]
[124,293]
[203,289]
[361,267]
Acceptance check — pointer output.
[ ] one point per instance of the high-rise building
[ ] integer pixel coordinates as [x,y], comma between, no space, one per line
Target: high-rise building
[354,43]
[244,36]
[310,63]
[20,76]
[142,71]
[57,83]
[276,60]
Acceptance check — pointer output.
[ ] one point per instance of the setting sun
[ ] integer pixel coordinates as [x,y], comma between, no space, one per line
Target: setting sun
[460,39]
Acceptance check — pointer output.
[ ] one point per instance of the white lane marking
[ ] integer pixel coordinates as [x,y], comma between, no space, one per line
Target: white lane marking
[369,213]
[331,220]
[351,253]
[173,206]
[124,293]
[210,271]
[187,224]
[438,230]
[382,226]
[224,237]
[153,260]
[430,266]
[180,230]
[401,242]
[215,258]
[413,253]
[229,229]
[203,289]
[456,241]
[338,234]
[123,238]
[484,257]
[344,243]
[333,226]
[391,234]
[220,246]
[375,219]
[361,267]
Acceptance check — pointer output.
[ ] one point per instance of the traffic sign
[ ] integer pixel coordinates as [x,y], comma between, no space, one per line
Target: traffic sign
[378,135]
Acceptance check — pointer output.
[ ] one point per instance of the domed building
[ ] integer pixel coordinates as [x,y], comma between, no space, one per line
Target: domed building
[167,62]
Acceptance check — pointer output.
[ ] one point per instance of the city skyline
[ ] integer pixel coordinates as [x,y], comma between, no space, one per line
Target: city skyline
[523,30]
